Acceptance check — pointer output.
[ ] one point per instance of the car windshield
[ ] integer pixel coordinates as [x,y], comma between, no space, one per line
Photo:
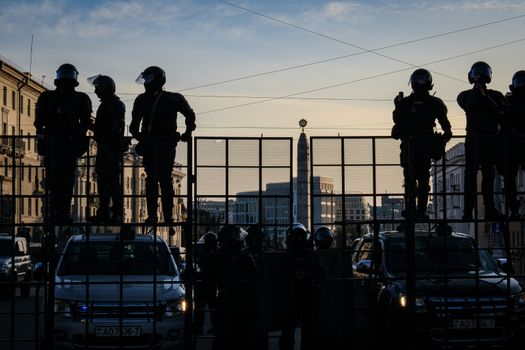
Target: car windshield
[115,258]
[436,254]
[6,247]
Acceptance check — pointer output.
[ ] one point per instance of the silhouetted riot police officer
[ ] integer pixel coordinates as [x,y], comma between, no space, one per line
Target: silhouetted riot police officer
[206,286]
[62,118]
[484,110]
[236,302]
[514,132]
[109,135]
[302,295]
[414,121]
[154,125]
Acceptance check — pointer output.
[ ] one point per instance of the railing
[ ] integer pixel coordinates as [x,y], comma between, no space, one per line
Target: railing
[356,187]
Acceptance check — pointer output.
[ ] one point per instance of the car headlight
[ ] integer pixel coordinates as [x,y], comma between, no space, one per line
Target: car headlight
[420,302]
[519,302]
[175,307]
[62,308]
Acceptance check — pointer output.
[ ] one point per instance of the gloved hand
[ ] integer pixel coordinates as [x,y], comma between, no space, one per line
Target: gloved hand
[447,135]
[185,137]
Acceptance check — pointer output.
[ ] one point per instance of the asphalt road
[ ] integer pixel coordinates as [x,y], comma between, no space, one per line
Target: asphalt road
[21,322]
[21,325]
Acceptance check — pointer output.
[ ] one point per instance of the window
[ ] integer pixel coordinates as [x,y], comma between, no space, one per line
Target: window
[22,204]
[21,104]
[28,107]
[29,141]
[29,173]
[22,171]
[13,99]
[5,96]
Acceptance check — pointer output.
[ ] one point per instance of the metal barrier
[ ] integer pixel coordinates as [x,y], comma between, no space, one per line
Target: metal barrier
[341,297]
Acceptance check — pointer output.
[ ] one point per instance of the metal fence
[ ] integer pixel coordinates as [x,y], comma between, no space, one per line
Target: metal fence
[352,295]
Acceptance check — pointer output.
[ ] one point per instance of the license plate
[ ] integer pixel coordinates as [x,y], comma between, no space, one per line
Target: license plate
[115,331]
[473,323]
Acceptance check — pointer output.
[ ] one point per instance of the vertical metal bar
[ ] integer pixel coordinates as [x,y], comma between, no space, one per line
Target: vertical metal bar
[343,191]
[410,243]
[313,195]
[189,225]
[260,174]
[291,193]
[15,206]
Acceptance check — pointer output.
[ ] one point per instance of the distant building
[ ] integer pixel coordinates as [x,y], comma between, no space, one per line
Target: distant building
[390,209]
[355,209]
[246,208]
[21,172]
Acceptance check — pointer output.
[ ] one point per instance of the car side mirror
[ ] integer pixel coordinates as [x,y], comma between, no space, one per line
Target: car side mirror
[503,265]
[364,266]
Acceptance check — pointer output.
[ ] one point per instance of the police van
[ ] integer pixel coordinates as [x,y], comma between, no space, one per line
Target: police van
[118,292]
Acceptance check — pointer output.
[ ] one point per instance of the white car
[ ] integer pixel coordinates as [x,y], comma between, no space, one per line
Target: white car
[118,293]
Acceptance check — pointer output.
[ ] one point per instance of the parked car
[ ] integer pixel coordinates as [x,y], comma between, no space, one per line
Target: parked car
[463,298]
[15,265]
[118,292]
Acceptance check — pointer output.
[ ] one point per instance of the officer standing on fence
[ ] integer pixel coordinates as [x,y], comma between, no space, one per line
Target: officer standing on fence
[62,118]
[514,141]
[414,121]
[109,135]
[484,109]
[154,125]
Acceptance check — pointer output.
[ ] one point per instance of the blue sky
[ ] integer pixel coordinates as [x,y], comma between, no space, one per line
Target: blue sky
[202,42]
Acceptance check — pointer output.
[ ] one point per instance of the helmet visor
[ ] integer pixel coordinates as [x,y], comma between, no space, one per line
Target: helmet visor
[518,81]
[145,78]
[418,79]
[93,80]
[480,71]
[67,73]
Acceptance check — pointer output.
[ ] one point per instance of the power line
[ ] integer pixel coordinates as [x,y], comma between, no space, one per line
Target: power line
[433,36]
[365,50]
[361,79]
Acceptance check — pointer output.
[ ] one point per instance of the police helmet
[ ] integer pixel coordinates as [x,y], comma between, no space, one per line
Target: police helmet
[255,235]
[480,71]
[518,80]
[102,82]
[152,75]
[209,239]
[324,237]
[67,71]
[231,234]
[422,77]
[296,233]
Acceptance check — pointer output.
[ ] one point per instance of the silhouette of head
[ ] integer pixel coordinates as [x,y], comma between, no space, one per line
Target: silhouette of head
[421,80]
[66,77]
[153,78]
[480,72]
[210,240]
[104,85]
[324,237]
[231,238]
[518,82]
[296,237]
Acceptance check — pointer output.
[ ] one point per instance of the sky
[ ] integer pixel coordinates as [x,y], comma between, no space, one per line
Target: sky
[234,61]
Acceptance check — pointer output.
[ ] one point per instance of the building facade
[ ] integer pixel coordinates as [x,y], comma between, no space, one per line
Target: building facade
[21,173]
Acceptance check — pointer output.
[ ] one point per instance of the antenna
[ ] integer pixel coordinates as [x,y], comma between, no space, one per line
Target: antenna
[31,55]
